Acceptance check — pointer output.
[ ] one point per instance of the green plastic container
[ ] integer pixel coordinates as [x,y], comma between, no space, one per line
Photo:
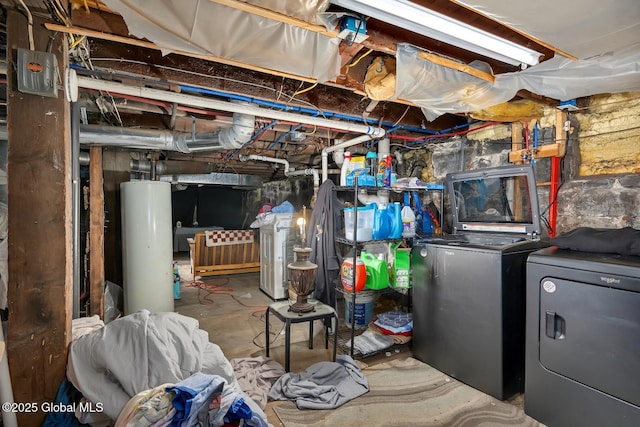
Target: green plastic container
[377,275]
[402,268]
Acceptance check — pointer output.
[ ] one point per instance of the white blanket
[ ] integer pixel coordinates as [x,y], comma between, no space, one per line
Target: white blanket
[139,352]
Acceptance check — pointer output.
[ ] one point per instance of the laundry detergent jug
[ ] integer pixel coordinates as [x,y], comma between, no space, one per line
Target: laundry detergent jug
[381,224]
[346,274]
[394,212]
[377,271]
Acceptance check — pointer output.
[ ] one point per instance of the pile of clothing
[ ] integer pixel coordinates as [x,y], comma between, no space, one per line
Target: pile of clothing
[157,369]
[388,329]
[199,400]
[265,214]
[397,325]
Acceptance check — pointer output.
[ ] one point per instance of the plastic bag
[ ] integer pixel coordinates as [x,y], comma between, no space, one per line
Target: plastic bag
[113,301]
[380,80]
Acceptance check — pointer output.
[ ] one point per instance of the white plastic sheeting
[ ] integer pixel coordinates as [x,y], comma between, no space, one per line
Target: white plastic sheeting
[561,78]
[603,35]
[583,28]
[204,27]
[306,10]
[439,90]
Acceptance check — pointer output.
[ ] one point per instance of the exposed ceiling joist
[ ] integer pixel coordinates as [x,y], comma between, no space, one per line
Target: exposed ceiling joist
[269,14]
[149,45]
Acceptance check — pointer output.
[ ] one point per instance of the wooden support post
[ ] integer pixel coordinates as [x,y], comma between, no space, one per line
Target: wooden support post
[96,233]
[516,144]
[40,232]
[116,170]
[516,141]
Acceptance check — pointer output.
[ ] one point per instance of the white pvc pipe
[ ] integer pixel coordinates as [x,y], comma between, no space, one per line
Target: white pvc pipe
[342,145]
[267,159]
[310,171]
[9,418]
[384,148]
[197,101]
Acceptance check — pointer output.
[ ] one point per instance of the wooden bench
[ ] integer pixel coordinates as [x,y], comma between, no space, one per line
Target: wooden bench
[224,252]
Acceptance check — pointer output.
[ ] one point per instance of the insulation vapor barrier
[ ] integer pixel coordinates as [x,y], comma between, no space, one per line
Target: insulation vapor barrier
[596,26]
[439,90]
[204,27]
[604,37]
[306,10]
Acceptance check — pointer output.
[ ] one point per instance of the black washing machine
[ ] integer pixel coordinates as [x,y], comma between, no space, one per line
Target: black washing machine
[582,364]
[468,287]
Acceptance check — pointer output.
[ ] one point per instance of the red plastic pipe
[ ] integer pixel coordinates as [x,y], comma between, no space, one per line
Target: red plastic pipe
[553,195]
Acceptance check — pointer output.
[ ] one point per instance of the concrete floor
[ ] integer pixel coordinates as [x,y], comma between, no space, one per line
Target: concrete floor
[232,310]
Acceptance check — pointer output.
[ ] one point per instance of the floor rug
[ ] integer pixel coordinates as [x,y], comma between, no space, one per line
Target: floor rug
[408,392]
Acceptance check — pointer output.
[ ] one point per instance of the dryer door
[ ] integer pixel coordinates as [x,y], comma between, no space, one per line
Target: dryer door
[591,334]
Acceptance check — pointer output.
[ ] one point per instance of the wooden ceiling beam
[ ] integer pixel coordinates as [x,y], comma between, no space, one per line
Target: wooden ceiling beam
[454,65]
[275,16]
[149,45]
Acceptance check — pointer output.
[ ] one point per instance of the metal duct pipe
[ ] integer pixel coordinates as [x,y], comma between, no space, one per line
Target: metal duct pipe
[240,131]
[131,138]
[84,158]
[145,166]
[384,148]
[233,137]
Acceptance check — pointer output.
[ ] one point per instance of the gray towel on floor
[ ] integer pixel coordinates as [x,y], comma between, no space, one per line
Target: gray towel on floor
[369,342]
[323,385]
[256,376]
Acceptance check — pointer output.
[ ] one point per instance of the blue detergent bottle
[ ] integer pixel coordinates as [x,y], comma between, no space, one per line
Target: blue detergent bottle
[394,212]
[427,224]
[381,225]
[176,281]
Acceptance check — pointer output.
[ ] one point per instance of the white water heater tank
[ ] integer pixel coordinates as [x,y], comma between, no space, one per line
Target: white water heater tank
[147,246]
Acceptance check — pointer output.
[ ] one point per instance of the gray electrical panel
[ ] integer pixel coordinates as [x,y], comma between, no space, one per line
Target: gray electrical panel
[37,73]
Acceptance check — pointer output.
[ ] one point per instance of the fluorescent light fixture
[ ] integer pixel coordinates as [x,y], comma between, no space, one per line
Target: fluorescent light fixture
[416,18]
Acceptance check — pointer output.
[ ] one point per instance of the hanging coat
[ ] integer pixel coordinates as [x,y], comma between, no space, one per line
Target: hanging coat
[326,223]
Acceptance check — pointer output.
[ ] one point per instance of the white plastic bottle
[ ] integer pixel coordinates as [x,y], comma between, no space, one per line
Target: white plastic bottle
[408,222]
[346,168]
